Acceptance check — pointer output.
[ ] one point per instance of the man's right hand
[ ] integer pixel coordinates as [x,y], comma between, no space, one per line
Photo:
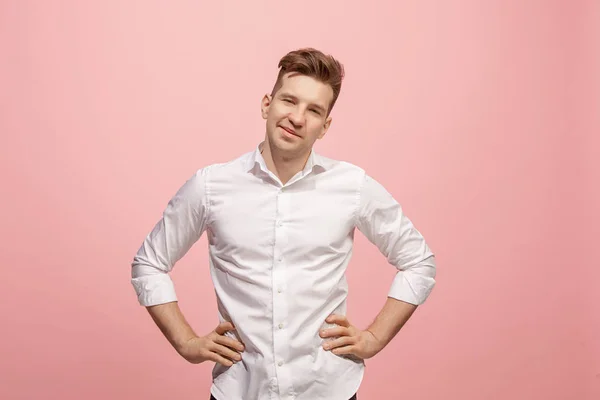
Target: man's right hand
[214,347]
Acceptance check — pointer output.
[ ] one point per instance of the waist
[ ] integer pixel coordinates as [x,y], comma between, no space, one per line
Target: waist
[320,374]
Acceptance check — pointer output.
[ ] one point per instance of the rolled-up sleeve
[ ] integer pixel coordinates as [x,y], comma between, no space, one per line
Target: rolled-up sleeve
[381,219]
[182,223]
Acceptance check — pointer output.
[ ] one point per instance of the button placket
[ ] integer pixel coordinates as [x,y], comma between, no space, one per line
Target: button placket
[281,338]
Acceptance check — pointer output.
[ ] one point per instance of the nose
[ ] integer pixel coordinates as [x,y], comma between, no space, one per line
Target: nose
[296,118]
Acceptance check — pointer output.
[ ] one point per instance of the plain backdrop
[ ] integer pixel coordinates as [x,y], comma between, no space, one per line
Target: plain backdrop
[480,117]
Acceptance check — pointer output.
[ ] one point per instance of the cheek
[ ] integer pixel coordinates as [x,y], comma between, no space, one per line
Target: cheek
[275,114]
[315,128]
[272,121]
[270,116]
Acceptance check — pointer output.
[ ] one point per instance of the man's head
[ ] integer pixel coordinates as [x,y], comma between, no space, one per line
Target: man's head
[297,110]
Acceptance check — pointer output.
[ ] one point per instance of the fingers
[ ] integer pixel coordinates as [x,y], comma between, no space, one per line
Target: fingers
[229,342]
[343,341]
[225,352]
[219,359]
[337,331]
[338,320]
[223,348]
[338,351]
[224,327]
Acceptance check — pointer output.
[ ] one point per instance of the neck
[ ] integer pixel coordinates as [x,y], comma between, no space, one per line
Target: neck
[284,166]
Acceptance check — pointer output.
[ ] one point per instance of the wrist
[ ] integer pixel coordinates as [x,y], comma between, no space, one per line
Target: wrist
[376,336]
[181,343]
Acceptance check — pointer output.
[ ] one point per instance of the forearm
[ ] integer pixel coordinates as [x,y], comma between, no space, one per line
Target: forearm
[172,323]
[390,320]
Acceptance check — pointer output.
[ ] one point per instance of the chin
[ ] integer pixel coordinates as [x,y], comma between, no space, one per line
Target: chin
[280,141]
[283,144]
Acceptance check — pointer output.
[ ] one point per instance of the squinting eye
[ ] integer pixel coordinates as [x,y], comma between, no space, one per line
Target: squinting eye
[287,101]
[316,112]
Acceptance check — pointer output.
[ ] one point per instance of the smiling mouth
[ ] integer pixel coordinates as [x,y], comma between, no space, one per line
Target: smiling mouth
[290,132]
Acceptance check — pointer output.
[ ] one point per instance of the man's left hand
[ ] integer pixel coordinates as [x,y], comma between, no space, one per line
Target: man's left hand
[350,340]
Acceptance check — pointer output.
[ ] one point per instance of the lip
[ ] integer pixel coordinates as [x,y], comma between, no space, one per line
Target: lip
[291,132]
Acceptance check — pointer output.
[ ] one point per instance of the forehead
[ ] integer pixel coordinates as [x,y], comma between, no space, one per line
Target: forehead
[306,88]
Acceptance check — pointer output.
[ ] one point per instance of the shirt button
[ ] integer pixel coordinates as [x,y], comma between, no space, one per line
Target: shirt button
[280,258]
[280,326]
[279,223]
[280,363]
[279,290]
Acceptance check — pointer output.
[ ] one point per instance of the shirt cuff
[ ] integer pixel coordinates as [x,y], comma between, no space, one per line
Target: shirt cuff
[154,289]
[411,287]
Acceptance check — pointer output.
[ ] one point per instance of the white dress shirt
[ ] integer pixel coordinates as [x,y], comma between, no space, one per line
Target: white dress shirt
[278,256]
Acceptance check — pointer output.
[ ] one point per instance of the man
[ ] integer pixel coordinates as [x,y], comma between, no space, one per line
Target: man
[280,222]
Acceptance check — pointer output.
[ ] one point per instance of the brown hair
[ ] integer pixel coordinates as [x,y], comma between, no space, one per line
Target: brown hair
[313,63]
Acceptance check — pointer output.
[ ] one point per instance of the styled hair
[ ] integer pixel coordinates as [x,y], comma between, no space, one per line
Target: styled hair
[313,63]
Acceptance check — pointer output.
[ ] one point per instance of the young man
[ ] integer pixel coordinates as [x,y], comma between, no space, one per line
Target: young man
[280,222]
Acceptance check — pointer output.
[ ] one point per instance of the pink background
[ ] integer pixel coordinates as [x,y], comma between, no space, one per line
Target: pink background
[481,117]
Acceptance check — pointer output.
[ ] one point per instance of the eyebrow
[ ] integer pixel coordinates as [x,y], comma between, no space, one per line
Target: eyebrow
[291,96]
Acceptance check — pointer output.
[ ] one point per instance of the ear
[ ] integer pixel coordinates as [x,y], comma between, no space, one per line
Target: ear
[265,104]
[325,127]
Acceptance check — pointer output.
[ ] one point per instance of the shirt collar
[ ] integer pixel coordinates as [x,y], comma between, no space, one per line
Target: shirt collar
[314,162]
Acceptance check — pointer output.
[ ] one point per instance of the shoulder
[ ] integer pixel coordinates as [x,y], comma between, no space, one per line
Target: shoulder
[225,168]
[343,171]
[339,165]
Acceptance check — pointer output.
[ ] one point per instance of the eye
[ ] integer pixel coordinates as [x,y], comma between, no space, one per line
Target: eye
[288,101]
[314,110]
